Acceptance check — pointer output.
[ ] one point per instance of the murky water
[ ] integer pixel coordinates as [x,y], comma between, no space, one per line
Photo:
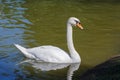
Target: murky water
[43,22]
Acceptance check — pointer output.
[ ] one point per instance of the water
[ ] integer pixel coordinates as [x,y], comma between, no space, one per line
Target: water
[43,22]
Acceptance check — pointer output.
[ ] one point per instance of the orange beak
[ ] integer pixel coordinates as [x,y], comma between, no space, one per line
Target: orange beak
[79,25]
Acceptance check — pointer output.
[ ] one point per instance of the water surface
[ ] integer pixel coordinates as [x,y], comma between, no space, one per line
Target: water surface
[43,22]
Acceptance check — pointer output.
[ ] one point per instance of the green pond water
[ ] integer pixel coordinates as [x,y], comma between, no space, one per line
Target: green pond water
[97,42]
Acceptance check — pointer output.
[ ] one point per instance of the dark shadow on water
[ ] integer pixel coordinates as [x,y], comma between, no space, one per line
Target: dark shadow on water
[109,70]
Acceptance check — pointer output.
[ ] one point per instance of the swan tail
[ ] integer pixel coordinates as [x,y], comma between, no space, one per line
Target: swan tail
[24,51]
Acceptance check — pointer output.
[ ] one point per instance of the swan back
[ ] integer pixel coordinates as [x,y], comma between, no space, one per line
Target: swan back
[50,54]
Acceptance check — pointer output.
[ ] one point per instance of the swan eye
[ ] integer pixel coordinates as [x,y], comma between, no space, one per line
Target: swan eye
[77,22]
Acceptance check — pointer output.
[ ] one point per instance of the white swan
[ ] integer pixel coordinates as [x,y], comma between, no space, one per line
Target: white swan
[54,54]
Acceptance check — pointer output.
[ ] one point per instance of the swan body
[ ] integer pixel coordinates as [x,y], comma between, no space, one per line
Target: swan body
[54,54]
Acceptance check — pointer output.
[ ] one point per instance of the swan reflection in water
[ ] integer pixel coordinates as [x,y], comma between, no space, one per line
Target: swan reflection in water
[46,66]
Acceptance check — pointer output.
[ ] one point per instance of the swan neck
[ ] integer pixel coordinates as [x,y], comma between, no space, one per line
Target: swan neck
[70,39]
[73,53]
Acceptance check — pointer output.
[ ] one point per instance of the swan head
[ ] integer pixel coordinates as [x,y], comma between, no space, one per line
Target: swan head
[73,21]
